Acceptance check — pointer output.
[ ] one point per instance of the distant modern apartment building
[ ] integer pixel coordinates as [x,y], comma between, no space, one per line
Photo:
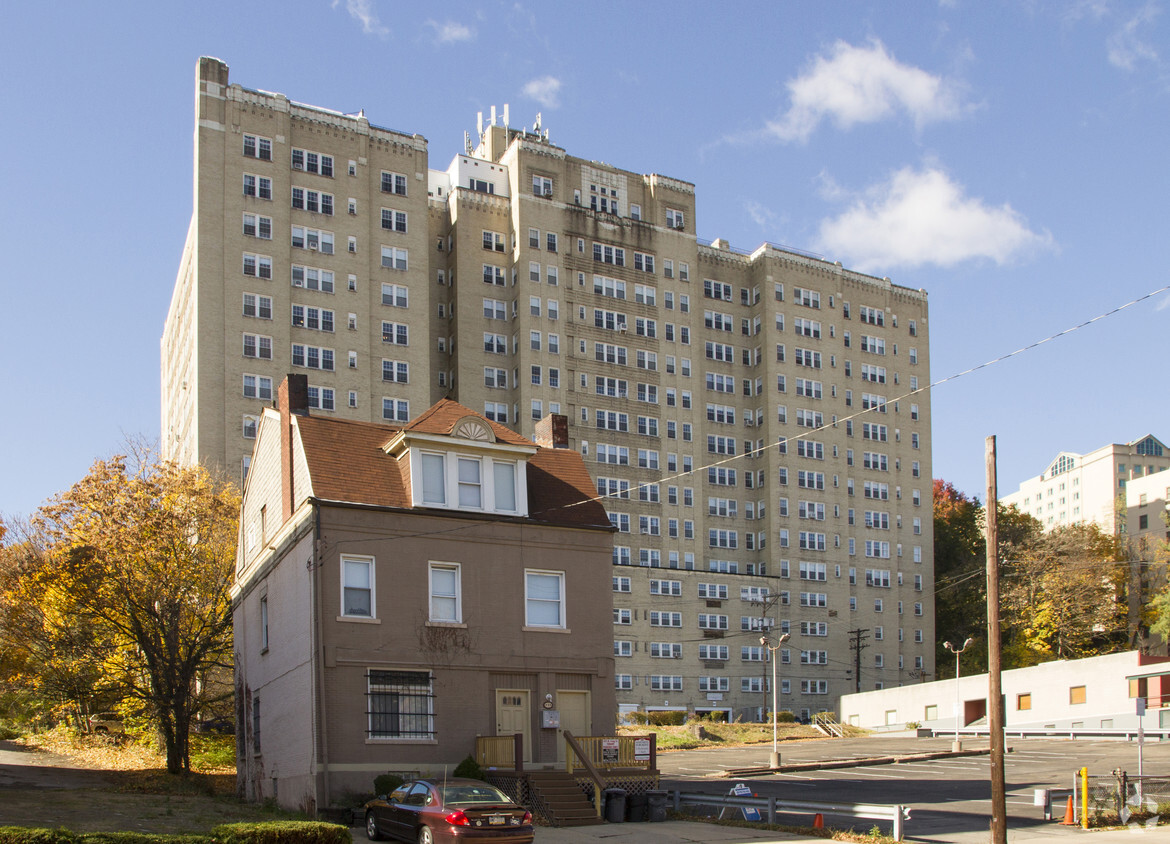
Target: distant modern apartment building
[758,422]
[1087,487]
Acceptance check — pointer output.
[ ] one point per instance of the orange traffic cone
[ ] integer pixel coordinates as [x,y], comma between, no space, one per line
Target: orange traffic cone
[818,822]
[1069,820]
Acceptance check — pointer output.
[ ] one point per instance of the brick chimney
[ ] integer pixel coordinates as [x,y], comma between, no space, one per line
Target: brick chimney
[552,431]
[292,398]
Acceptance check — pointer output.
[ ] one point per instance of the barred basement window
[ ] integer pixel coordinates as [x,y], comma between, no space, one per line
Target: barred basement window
[400,705]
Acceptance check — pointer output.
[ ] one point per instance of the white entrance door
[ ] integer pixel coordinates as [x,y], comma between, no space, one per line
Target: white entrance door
[575,718]
[512,717]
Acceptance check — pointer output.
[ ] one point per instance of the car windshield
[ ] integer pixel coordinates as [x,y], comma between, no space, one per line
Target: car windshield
[465,795]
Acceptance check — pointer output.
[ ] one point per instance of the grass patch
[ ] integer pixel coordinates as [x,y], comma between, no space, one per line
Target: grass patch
[718,734]
[210,752]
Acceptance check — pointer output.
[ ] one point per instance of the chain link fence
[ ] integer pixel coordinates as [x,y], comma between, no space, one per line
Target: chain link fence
[1122,797]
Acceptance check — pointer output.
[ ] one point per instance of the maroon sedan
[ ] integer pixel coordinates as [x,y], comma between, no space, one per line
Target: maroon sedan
[448,811]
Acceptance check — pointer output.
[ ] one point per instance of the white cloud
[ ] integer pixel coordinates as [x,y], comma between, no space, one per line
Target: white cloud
[863,85]
[363,12]
[450,32]
[1126,47]
[922,217]
[545,90]
[761,215]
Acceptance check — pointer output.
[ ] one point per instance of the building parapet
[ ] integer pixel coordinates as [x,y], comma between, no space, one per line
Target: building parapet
[526,144]
[653,180]
[359,123]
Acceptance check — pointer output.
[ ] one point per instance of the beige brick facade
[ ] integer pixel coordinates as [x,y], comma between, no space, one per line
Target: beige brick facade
[738,404]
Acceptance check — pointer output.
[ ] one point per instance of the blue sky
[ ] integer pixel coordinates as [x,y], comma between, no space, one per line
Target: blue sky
[1008,157]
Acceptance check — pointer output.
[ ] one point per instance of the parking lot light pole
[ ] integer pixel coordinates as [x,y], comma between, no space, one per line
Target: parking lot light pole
[958,745]
[774,759]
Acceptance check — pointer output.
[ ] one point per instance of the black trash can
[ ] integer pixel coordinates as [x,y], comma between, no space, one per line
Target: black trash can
[636,807]
[615,805]
[656,806]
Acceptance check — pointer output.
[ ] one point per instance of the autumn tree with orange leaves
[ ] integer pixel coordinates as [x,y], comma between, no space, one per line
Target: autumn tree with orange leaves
[142,551]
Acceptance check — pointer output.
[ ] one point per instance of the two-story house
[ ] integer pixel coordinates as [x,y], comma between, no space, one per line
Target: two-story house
[401,590]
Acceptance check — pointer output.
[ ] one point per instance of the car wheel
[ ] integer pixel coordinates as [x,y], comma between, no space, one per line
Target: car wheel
[425,837]
[372,828]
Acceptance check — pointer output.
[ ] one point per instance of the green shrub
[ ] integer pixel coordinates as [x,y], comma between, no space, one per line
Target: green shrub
[785,717]
[385,783]
[140,838]
[667,718]
[469,768]
[20,835]
[281,832]
[641,718]
[213,751]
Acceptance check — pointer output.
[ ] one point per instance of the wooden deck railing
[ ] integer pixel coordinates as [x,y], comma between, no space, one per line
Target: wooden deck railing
[506,752]
[606,753]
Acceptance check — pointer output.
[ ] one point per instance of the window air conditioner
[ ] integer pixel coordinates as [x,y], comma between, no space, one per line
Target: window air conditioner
[548,191]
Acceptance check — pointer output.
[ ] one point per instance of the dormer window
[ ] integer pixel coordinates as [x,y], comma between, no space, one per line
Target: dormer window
[465,468]
[481,483]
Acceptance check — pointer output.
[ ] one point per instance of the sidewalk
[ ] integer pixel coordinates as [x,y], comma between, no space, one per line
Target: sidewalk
[686,832]
[668,832]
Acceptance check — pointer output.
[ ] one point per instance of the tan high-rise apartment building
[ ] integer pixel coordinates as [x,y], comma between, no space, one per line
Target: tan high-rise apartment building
[758,420]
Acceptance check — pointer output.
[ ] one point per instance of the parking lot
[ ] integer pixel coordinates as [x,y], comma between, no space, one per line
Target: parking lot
[951,797]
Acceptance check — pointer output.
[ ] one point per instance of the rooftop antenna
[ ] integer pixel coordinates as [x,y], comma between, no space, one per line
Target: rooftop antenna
[536,125]
[479,123]
[505,115]
[467,143]
[493,115]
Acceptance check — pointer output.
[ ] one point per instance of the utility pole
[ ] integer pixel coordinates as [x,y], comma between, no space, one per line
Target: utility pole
[857,645]
[767,603]
[995,687]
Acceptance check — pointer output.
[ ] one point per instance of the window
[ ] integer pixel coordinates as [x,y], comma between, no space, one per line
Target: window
[357,587]
[257,186]
[1024,701]
[394,258]
[395,410]
[446,604]
[312,162]
[257,226]
[312,201]
[1077,694]
[542,186]
[320,398]
[675,219]
[544,599]
[400,705]
[394,221]
[257,387]
[257,346]
[394,183]
[256,147]
[312,357]
[313,240]
[257,266]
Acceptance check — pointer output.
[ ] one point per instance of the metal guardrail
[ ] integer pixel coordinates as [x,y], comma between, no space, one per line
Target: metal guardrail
[1060,732]
[896,815]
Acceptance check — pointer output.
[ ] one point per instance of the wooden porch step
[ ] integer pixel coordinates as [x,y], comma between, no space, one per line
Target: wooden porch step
[562,799]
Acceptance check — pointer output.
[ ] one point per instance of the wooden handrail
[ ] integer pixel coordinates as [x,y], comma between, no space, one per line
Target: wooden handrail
[594,774]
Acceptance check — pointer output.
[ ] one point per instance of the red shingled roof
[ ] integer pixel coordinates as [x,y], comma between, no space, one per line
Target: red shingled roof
[442,417]
[347,463]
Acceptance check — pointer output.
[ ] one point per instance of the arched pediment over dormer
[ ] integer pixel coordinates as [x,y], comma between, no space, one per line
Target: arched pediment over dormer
[473,427]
